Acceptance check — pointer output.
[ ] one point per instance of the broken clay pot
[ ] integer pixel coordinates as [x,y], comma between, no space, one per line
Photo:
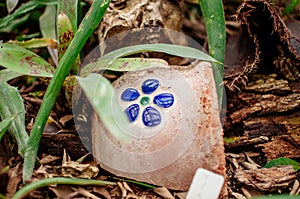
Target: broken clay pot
[173,123]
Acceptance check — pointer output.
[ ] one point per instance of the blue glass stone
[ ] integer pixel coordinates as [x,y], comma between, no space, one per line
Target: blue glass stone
[130,94]
[151,117]
[150,85]
[132,112]
[164,100]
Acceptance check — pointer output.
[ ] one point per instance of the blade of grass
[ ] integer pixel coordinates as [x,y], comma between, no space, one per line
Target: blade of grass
[122,64]
[11,105]
[25,8]
[187,52]
[171,49]
[281,196]
[59,180]
[87,27]
[142,184]
[14,24]
[214,17]
[4,124]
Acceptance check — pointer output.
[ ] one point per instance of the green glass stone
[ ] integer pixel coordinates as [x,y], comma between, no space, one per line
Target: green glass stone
[145,100]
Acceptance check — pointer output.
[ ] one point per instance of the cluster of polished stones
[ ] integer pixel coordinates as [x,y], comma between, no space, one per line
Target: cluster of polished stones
[150,115]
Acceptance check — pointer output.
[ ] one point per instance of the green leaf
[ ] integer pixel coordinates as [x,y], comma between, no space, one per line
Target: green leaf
[88,25]
[282,196]
[214,17]
[65,36]
[6,75]
[283,162]
[11,27]
[172,49]
[24,61]
[12,104]
[21,193]
[69,8]
[176,50]
[4,124]
[25,8]
[142,184]
[122,64]
[101,95]
[290,7]
[64,32]
[11,5]
[48,29]
[35,43]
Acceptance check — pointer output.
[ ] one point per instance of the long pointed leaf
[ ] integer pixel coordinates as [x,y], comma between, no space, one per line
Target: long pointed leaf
[48,29]
[23,61]
[214,17]
[123,64]
[4,124]
[35,43]
[86,28]
[182,51]
[25,8]
[6,75]
[12,104]
[57,180]
[100,94]
[69,8]
[65,36]
[171,49]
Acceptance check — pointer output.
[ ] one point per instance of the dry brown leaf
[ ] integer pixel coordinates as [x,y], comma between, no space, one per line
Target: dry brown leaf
[62,191]
[296,188]
[126,186]
[122,188]
[86,193]
[82,158]
[102,191]
[42,172]
[65,119]
[164,192]
[75,169]
[116,192]
[235,194]
[15,176]
[181,195]
[49,158]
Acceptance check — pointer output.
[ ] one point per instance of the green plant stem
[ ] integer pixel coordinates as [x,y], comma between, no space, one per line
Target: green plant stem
[214,17]
[86,28]
[142,184]
[45,182]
